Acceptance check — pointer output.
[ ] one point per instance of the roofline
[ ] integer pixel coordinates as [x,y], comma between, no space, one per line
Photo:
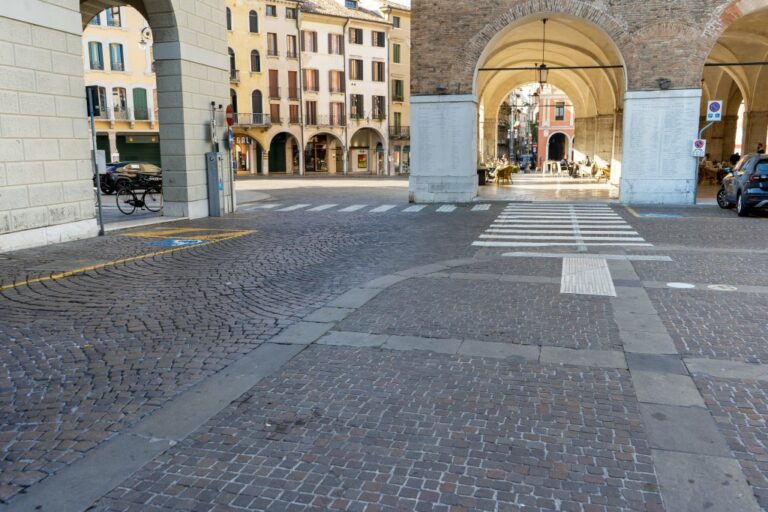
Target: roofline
[351,18]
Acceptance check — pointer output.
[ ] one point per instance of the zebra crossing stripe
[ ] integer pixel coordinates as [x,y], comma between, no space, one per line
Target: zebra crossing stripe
[558,244]
[322,207]
[353,208]
[481,208]
[293,208]
[415,208]
[571,237]
[383,208]
[446,208]
[559,232]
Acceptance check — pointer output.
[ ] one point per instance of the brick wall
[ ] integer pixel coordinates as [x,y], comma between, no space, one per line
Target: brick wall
[656,38]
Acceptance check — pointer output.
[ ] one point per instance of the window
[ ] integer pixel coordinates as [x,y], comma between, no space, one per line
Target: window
[396,21]
[398,90]
[350,4]
[274,84]
[253,22]
[99,95]
[96,20]
[398,121]
[378,39]
[378,71]
[311,113]
[356,106]
[271,11]
[356,36]
[336,81]
[293,87]
[95,55]
[337,114]
[356,69]
[336,44]
[229,19]
[309,41]
[311,80]
[255,61]
[379,107]
[559,111]
[291,52]
[274,112]
[396,53]
[117,63]
[233,99]
[140,110]
[291,13]
[272,44]
[232,66]
[119,102]
[113,17]
[293,113]
[256,102]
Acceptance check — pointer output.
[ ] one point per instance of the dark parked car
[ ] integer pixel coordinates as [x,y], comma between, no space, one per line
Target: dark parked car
[128,172]
[746,186]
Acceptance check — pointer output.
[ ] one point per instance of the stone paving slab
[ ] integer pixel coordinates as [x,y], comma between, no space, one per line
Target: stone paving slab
[660,363]
[728,369]
[361,429]
[665,388]
[499,350]
[683,429]
[596,358]
[302,333]
[328,314]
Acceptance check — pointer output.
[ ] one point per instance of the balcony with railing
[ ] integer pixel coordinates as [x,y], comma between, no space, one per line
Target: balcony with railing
[274,92]
[329,121]
[291,54]
[234,76]
[400,132]
[247,120]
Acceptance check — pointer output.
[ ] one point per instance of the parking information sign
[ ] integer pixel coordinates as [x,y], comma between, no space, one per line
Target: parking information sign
[715,110]
[699,147]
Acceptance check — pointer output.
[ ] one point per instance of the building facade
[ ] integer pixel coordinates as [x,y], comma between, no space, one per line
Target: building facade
[556,127]
[639,76]
[118,62]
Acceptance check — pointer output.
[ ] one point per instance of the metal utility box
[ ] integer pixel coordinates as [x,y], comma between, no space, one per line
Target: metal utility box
[213,181]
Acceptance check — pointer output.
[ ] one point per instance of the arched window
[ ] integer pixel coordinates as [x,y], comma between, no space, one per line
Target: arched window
[229,19]
[256,101]
[255,61]
[253,22]
[233,96]
[231,53]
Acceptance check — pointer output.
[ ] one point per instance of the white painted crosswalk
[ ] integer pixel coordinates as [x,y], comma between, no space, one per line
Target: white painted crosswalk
[365,208]
[566,225]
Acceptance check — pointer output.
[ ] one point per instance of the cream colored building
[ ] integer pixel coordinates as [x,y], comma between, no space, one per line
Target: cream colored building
[117,50]
[399,16]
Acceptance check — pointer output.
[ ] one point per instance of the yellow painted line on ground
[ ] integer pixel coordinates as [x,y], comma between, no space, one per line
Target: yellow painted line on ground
[632,211]
[196,233]
[114,263]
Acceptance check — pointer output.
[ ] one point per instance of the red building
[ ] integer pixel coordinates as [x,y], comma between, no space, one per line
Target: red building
[556,126]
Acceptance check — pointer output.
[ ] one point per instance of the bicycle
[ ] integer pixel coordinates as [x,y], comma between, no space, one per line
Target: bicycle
[151,198]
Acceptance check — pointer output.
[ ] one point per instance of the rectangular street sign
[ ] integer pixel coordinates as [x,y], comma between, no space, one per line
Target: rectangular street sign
[714,110]
[699,148]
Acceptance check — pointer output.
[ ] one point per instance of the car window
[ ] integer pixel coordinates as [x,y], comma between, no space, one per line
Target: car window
[762,167]
[744,165]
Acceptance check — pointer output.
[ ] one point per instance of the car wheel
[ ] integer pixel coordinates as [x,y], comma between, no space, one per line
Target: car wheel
[722,199]
[107,189]
[742,210]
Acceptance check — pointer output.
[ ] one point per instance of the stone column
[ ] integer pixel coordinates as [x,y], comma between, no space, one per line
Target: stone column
[659,128]
[585,135]
[265,163]
[490,139]
[444,148]
[288,155]
[604,138]
[755,131]
[112,136]
[730,127]
[618,127]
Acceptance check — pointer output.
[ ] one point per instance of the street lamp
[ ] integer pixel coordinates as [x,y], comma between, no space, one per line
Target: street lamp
[146,36]
[542,72]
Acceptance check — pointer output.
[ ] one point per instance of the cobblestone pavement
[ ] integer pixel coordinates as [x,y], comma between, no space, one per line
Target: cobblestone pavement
[352,429]
[542,400]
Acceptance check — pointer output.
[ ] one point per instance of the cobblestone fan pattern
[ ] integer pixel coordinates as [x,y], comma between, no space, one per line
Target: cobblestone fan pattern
[520,313]
[704,228]
[540,267]
[714,324]
[89,355]
[709,268]
[740,409]
[362,429]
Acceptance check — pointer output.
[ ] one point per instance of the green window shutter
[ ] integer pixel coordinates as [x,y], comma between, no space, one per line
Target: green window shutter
[140,110]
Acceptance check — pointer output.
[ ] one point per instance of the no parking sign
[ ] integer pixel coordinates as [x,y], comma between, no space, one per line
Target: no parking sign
[699,147]
[715,110]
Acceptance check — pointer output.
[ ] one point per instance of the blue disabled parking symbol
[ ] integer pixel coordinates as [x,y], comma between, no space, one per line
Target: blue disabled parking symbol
[176,242]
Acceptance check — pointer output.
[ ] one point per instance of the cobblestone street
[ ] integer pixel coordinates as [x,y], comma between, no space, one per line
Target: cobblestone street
[340,349]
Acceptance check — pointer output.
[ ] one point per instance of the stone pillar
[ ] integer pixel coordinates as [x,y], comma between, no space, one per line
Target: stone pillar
[604,139]
[265,163]
[252,165]
[288,155]
[112,136]
[659,128]
[585,135]
[490,139]
[618,127]
[444,148]
[730,127]
[756,130]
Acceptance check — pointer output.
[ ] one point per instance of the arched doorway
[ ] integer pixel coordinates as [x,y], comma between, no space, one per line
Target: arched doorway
[247,154]
[367,153]
[284,154]
[557,147]
[324,153]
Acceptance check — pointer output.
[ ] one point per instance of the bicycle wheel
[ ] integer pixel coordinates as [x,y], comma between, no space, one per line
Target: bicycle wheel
[153,199]
[126,200]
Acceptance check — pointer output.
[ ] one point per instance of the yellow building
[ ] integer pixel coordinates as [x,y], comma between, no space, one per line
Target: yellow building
[117,45]
[399,16]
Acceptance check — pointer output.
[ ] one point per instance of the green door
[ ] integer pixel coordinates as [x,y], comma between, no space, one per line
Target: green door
[138,152]
[140,111]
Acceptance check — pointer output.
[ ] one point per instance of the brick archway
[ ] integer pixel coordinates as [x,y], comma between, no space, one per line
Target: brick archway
[475,50]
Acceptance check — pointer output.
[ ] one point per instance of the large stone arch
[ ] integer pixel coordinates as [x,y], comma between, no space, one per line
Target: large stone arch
[190,60]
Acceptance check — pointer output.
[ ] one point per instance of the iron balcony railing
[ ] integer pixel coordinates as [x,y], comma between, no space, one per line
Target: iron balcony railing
[234,75]
[400,131]
[329,120]
[248,119]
